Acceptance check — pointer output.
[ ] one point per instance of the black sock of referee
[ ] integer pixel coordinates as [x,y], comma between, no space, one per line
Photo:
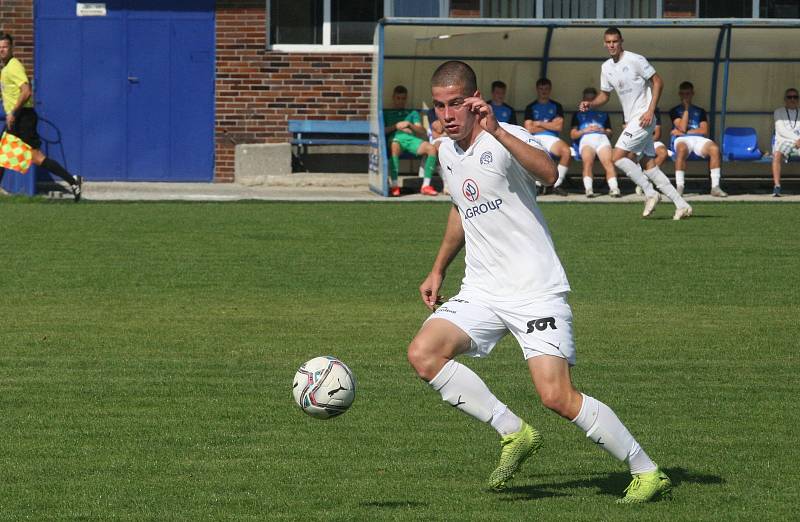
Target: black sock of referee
[2,173]
[58,170]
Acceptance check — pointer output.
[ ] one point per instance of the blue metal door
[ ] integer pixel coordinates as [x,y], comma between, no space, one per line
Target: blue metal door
[130,94]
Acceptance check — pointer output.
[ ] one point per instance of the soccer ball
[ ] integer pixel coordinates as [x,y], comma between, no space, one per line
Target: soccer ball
[324,387]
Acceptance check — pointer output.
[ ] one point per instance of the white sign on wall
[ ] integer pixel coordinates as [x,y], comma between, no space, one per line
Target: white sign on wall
[84,9]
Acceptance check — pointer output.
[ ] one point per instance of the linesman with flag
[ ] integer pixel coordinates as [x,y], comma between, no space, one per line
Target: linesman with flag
[21,122]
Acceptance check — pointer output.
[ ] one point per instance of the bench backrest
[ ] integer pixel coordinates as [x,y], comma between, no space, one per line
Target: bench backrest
[328,127]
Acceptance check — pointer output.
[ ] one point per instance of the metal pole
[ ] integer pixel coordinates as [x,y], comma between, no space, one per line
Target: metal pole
[546,53]
[725,77]
[714,78]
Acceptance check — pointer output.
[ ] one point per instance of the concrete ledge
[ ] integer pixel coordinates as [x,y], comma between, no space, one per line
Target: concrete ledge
[255,161]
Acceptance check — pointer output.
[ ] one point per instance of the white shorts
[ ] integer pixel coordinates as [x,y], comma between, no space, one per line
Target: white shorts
[547,141]
[658,145]
[542,326]
[594,140]
[785,147]
[693,143]
[636,139]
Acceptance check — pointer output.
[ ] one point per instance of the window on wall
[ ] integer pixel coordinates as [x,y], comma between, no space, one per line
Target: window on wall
[509,9]
[323,24]
[630,8]
[726,9]
[779,9]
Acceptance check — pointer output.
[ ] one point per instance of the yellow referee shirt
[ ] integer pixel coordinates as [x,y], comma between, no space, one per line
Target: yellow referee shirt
[12,77]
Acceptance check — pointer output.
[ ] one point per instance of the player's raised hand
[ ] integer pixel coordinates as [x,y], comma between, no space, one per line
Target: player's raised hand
[483,110]
[584,106]
[429,291]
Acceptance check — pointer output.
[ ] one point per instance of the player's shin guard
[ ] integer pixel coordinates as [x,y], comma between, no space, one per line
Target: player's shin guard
[394,169]
[661,181]
[463,389]
[562,174]
[604,428]
[634,171]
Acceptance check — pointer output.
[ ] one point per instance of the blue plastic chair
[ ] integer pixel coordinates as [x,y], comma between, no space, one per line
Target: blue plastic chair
[740,143]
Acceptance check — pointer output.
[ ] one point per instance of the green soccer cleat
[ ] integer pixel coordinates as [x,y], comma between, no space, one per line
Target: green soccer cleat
[647,487]
[517,447]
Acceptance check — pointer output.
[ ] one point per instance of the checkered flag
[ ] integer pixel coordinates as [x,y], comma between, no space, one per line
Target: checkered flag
[15,154]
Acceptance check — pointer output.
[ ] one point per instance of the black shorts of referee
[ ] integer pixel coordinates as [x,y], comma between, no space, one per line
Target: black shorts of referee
[25,127]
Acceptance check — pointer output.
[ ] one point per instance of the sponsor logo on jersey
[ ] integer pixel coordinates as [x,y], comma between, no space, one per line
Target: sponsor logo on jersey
[541,324]
[486,158]
[483,208]
[470,189]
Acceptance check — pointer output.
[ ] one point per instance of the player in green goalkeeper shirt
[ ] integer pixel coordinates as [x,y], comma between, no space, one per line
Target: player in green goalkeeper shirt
[404,132]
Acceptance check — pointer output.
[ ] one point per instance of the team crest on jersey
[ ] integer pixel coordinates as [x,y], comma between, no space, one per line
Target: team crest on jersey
[470,190]
[486,158]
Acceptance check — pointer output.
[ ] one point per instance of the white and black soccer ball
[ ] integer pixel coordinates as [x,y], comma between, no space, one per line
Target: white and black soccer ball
[324,387]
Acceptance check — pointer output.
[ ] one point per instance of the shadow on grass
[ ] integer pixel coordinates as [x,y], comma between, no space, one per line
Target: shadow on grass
[393,504]
[612,484]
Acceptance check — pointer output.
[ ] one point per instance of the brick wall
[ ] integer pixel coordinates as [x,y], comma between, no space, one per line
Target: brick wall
[259,90]
[16,18]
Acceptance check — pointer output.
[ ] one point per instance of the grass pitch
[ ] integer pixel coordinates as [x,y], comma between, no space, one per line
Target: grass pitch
[147,353]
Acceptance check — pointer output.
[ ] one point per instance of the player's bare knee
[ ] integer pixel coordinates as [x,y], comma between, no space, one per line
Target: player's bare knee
[556,400]
[423,357]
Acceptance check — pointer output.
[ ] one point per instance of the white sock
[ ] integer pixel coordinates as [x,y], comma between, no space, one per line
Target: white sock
[426,182]
[588,183]
[602,425]
[715,177]
[634,171]
[463,389]
[504,420]
[680,178]
[562,173]
[661,181]
[612,183]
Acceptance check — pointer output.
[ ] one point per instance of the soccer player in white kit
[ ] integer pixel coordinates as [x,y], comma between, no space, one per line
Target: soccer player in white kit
[514,282]
[631,75]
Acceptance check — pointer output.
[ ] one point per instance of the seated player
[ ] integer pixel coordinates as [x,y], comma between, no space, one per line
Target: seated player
[404,132]
[502,111]
[591,130]
[787,136]
[690,129]
[544,118]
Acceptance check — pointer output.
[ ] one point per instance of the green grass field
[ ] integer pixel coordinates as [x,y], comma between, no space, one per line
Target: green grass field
[147,353]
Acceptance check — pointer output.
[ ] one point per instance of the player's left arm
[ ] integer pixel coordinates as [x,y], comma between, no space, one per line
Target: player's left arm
[535,161]
[702,127]
[658,88]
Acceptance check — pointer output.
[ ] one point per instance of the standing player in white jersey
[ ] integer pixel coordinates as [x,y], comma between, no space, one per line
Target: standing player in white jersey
[514,282]
[631,75]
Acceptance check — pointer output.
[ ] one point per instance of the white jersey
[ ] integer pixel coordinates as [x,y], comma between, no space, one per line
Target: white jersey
[630,78]
[787,126]
[509,251]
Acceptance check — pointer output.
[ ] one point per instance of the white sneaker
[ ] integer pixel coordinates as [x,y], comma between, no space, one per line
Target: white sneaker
[650,205]
[682,213]
[679,188]
[590,193]
[717,192]
[615,193]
